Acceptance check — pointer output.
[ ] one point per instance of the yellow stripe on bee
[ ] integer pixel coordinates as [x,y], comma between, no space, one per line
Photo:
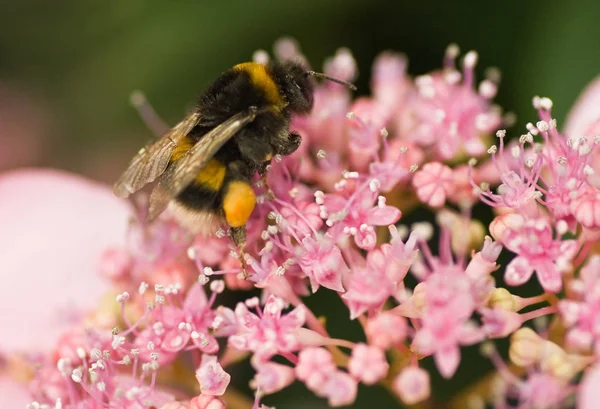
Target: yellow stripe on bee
[261,79]
[238,203]
[212,175]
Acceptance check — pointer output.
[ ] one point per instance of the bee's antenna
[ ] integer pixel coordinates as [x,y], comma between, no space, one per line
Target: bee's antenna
[327,77]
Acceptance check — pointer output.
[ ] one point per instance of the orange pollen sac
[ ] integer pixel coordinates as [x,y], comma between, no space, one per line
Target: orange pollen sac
[238,203]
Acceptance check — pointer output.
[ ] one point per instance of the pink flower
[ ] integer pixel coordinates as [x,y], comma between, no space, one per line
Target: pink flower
[441,336]
[50,250]
[580,314]
[269,332]
[356,214]
[207,402]
[543,391]
[212,378]
[483,263]
[433,183]
[390,83]
[314,367]
[367,119]
[368,364]
[449,115]
[386,330]
[173,328]
[322,262]
[305,219]
[518,190]
[499,323]
[538,251]
[586,208]
[340,389]
[367,288]
[272,377]
[412,384]
[584,114]
[589,394]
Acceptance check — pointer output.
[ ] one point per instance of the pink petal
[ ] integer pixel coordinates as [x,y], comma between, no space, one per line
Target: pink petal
[272,377]
[447,360]
[55,227]
[212,378]
[13,394]
[383,216]
[518,271]
[366,239]
[568,248]
[584,112]
[589,392]
[206,402]
[549,276]
[195,299]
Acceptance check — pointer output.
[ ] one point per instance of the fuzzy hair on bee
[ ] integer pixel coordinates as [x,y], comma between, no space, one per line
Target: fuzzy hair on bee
[204,165]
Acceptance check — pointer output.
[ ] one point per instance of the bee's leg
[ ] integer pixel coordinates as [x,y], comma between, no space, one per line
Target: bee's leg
[290,144]
[238,234]
[263,171]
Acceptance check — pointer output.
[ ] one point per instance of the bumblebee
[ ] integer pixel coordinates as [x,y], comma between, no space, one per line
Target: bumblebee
[204,165]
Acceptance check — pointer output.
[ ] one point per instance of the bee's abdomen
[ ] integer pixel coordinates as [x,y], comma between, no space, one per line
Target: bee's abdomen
[204,192]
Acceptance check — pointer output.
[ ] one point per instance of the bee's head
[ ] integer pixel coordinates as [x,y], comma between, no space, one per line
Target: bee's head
[298,86]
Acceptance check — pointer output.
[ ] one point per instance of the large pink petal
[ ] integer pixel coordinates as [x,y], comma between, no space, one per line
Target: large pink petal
[383,216]
[589,393]
[585,112]
[518,271]
[549,276]
[13,394]
[447,360]
[54,228]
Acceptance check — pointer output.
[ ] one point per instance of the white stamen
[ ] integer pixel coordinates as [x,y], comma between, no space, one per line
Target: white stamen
[532,129]
[217,286]
[470,59]
[452,51]
[515,151]
[191,253]
[143,287]
[487,89]
[77,375]
[542,126]
[124,296]
[546,103]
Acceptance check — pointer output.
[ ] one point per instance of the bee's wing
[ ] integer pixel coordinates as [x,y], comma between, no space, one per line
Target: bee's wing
[182,172]
[152,160]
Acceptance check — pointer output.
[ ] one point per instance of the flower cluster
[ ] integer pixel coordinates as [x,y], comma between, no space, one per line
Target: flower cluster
[334,225]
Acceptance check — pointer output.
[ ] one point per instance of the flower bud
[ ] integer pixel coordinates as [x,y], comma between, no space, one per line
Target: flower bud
[525,347]
[412,385]
[501,298]
[501,223]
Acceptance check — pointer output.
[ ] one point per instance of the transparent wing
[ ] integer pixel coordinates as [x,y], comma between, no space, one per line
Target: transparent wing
[182,172]
[152,160]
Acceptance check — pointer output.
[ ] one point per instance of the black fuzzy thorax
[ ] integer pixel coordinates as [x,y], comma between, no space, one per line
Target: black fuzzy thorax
[231,93]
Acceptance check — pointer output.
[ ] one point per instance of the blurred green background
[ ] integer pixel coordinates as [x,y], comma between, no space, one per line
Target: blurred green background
[67,69]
